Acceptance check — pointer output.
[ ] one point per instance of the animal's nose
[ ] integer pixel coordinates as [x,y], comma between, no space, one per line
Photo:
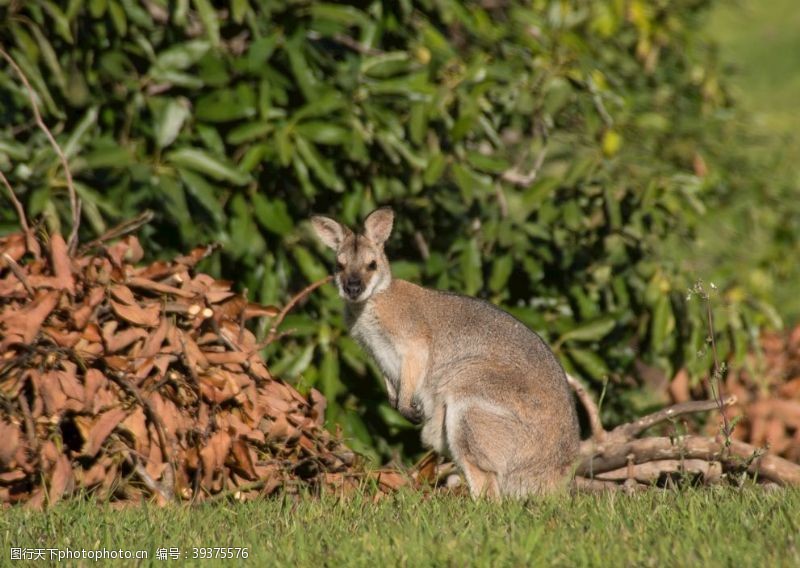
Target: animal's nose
[353,286]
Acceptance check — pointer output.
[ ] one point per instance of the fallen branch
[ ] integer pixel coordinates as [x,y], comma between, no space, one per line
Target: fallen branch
[156,488]
[737,455]
[154,419]
[609,457]
[633,429]
[593,412]
[649,472]
[30,240]
[19,274]
[124,228]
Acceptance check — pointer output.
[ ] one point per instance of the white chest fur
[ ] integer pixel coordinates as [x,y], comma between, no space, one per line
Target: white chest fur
[368,332]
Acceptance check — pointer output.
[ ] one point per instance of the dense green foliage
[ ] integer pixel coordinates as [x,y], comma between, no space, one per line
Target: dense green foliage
[538,154]
[708,527]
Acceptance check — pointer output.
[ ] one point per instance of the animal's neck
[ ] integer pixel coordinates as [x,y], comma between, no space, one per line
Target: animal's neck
[353,311]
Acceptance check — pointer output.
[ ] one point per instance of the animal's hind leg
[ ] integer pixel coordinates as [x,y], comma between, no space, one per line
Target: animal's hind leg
[481,483]
[470,451]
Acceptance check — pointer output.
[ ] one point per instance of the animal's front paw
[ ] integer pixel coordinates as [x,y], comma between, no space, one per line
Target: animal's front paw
[412,412]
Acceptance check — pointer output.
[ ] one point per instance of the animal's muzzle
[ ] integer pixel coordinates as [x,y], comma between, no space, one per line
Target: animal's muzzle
[353,286]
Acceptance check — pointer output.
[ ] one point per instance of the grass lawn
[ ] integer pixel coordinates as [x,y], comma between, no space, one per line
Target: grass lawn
[693,527]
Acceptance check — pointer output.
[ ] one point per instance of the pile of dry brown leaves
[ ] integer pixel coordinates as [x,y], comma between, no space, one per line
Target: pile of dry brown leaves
[131,382]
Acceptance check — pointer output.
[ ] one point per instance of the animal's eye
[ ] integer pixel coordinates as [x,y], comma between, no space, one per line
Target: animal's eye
[339,266]
[372,265]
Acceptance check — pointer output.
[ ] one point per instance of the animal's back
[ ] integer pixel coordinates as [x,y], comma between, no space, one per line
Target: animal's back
[466,330]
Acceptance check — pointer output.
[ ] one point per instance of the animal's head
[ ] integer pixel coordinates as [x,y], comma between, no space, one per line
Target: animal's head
[361,265]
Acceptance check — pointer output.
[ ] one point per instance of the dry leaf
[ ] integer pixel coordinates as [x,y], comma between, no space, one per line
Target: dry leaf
[147,316]
[101,429]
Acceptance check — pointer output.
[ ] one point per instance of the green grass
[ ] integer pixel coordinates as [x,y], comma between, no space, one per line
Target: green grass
[697,527]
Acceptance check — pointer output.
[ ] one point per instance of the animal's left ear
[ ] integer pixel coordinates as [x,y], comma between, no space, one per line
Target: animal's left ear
[378,225]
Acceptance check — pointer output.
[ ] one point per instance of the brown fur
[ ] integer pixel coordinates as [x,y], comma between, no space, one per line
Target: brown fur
[488,390]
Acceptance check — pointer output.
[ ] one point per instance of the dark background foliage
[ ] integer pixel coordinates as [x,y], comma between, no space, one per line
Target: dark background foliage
[538,154]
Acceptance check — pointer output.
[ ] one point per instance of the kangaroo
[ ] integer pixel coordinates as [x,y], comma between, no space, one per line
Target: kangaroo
[488,391]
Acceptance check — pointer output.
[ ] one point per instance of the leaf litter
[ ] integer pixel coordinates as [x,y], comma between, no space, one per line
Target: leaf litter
[131,383]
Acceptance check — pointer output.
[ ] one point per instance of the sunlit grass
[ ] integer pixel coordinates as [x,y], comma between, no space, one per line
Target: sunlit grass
[707,527]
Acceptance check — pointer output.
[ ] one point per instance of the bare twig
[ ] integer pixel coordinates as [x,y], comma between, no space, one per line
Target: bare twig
[595,485]
[650,471]
[273,331]
[737,454]
[152,485]
[120,230]
[30,429]
[597,100]
[19,273]
[30,239]
[17,205]
[422,245]
[598,432]
[715,382]
[518,178]
[73,196]
[154,418]
[633,429]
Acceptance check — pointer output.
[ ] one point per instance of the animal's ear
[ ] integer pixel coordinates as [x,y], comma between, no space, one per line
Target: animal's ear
[378,225]
[330,232]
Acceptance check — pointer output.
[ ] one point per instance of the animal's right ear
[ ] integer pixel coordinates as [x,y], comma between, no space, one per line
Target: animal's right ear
[329,231]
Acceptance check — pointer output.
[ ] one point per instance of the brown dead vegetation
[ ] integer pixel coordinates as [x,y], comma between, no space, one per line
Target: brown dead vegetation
[130,382]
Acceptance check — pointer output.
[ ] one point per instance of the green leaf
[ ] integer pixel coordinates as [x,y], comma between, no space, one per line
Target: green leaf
[75,141]
[118,17]
[593,330]
[323,132]
[471,268]
[309,265]
[202,161]
[239,9]
[175,206]
[436,166]
[245,240]
[203,192]
[501,271]
[225,105]
[590,362]
[470,182]
[181,56]
[385,64]
[321,166]
[330,384]
[273,215]
[169,120]
[662,325]
[103,157]
[62,26]
[209,18]
[302,72]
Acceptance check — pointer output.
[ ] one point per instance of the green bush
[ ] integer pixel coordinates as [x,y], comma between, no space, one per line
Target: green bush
[537,153]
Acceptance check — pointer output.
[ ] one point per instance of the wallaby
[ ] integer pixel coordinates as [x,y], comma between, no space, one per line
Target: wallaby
[488,391]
